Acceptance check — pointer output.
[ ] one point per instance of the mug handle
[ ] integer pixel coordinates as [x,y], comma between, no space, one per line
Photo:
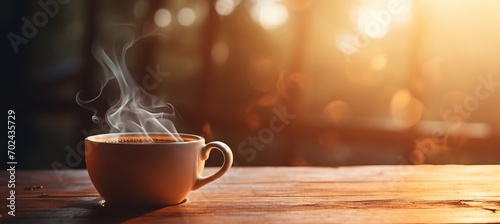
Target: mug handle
[228,162]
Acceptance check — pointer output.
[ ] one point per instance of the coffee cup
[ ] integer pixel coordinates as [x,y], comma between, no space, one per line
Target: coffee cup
[153,170]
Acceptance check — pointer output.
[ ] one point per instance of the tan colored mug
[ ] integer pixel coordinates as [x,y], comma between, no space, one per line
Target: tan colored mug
[129,172]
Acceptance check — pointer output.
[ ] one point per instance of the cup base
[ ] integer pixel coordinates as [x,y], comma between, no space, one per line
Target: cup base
[105,204]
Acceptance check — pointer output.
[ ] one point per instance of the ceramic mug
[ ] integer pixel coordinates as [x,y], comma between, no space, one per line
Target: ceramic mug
[133,171]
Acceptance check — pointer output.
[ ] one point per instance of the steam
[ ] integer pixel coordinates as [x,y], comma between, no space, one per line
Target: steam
[135,110]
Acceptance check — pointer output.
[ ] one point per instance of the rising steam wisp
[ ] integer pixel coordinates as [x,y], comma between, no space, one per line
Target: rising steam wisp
[135,110]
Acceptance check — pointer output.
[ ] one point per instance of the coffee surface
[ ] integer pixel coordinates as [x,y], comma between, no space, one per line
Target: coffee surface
[140,140]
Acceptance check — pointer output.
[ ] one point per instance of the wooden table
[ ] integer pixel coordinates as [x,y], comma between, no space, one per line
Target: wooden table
[363,194]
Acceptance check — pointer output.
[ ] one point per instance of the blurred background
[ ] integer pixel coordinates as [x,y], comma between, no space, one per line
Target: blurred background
[282,82]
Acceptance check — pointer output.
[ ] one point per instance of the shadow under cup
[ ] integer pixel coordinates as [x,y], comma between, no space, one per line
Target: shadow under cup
[131,170]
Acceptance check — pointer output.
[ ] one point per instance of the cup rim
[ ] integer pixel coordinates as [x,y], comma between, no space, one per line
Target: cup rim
[95,138]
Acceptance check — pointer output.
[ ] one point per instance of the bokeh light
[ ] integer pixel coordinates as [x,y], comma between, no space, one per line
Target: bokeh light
[400,99]
[336,111]
[406,110]
[269,14]
[375,18]
[186,16]
[162,17]
[226,7]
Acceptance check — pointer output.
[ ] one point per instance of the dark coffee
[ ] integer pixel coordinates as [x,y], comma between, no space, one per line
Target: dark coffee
[140,140]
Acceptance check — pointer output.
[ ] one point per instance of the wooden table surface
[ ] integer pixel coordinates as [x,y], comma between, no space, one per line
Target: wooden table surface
[362,194]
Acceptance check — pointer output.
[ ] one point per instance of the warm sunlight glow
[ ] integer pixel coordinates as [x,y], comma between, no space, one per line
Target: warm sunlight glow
[350,44]
[379,62]
[269,14]
[375,18]
[298,5]
[368,67]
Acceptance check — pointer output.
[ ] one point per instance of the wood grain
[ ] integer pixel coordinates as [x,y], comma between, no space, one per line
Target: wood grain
[364,194]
